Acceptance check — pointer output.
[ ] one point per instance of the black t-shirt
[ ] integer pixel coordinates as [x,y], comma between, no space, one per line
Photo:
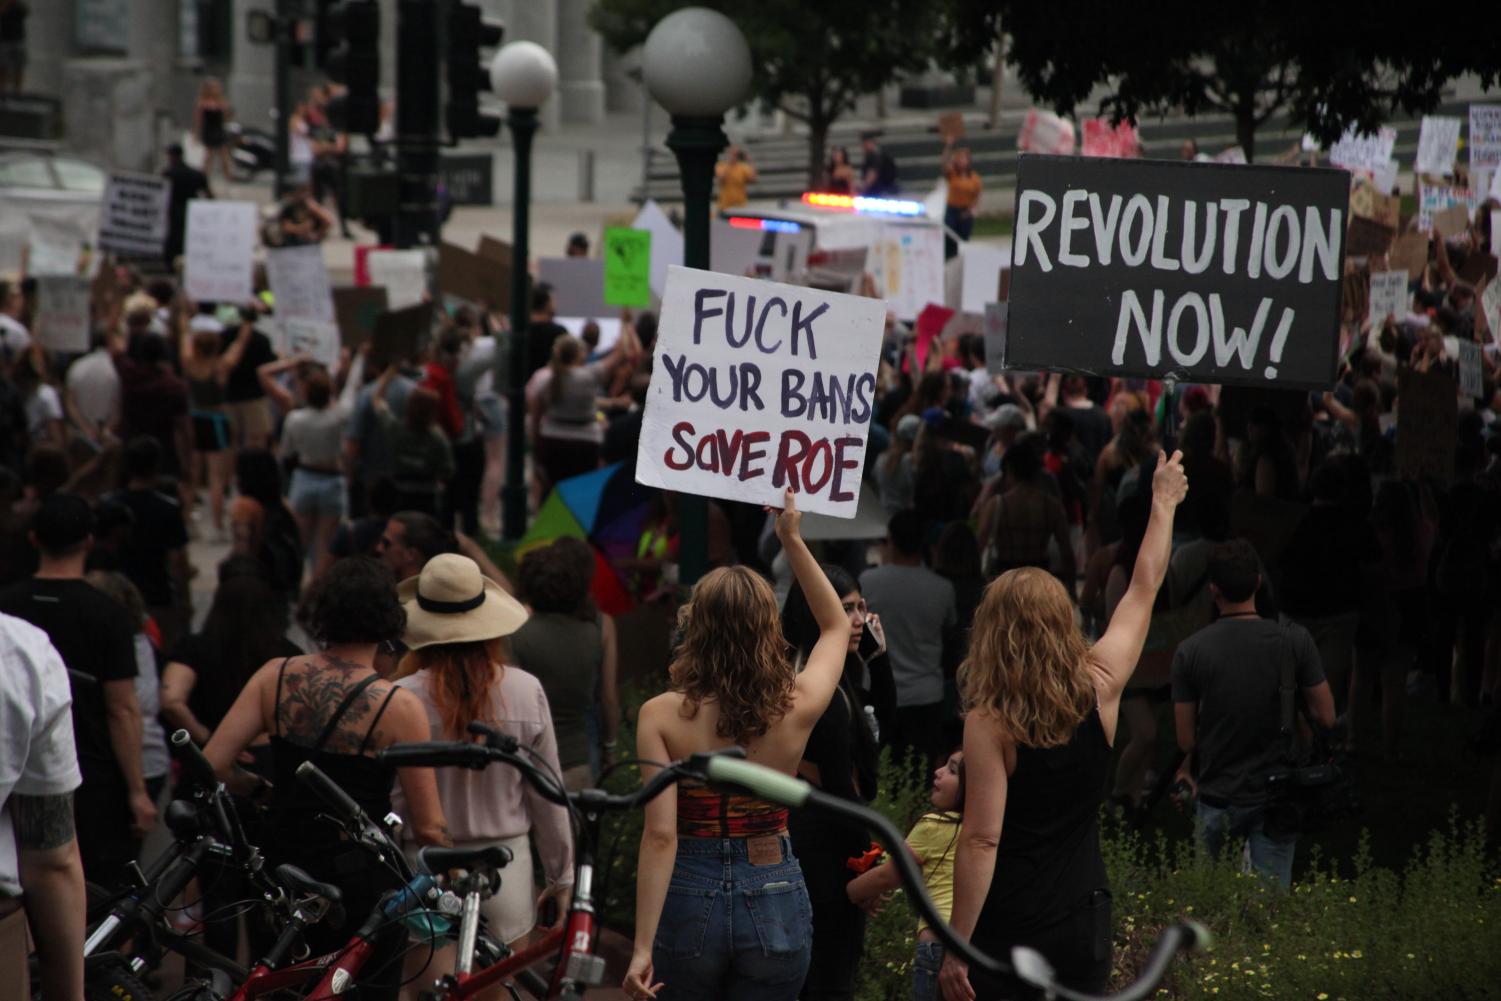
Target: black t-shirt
[1092,428]
[157,530]
[539,338]
[242,384]
[885,168]
[187,184]
[97,643]
[1232,670]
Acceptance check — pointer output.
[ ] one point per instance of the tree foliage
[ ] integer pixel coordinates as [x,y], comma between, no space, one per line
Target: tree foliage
[813,60]
[1250,60]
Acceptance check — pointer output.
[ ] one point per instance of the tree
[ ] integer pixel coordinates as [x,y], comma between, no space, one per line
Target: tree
[1249,60]
[813,58]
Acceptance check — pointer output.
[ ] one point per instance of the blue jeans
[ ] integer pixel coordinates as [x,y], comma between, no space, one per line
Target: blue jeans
[1272,857]
[732,931]
[925,967]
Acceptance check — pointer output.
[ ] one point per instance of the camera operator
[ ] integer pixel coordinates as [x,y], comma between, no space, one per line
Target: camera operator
[1227,690]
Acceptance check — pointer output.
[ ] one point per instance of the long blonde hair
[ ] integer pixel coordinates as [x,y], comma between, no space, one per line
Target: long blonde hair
[1028,663]
[733,653]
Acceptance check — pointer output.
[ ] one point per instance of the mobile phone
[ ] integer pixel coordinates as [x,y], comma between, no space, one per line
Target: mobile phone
[869,645]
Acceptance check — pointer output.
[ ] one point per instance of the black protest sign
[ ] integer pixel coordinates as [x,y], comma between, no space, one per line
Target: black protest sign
[1207,272]
[356,308]
[400,333]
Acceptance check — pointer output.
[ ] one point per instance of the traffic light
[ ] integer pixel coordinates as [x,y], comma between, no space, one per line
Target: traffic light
[468,33]
[356,62]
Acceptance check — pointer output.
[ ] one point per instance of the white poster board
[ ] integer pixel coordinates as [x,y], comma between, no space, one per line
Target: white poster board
[133,214]
[578,286]
[1388,296]
[1470,384]
[55,247]
[1485,136]
[910,259]
[1490,305]
[316,338]
[1364,152]
[402,272]
[299,284]
[666,244]
[62,321]
[219,252]
[1438,143]
[741,409]
[980,275]
[1385,177]
[995,336]
[1232,155]
[735,251]
[609,328]
[1434,198]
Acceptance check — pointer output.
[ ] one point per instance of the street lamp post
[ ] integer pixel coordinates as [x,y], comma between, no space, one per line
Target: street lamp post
[697,65]
[523,75]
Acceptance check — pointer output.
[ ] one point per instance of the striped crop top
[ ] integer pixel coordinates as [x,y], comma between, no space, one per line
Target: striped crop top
[704,813]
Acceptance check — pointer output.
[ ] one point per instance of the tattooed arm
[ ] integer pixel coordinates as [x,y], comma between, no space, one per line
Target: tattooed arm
[52,884]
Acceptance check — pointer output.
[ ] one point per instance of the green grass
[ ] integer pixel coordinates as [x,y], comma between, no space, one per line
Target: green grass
[992,225]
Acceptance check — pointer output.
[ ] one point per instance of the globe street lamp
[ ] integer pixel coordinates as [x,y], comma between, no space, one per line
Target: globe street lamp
[523,75]
[697,65]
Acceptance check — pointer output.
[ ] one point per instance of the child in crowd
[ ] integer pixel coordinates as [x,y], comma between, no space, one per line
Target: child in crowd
[932,840]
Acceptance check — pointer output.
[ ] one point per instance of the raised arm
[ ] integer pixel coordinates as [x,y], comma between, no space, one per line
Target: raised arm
[1114,656]
[815,685]
[268,374]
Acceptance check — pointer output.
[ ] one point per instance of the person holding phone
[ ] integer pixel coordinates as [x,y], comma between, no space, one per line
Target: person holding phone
[843,760]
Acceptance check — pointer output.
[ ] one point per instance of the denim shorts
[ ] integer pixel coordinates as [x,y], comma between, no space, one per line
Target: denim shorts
[315,493]
[925,967]
[730,930]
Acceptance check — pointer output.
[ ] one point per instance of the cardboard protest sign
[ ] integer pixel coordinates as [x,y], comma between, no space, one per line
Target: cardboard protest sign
[318,339]
[481,280]
[1388,296]
[910,263]
[495,250]
[1438,142]
[578,285]
[1045,132]
[759,386]
[1427,424]
[299,284]
[133,214]
[1469,370]
[219,252]
[666,243]
[1410,253]
[62,315]
[995,337]
[1369,153]
[1451,221]
[400,333]
[1477,268]
[1367,202]
[1101,138]
[403,273]
[951,125]
[1367,237]
[356,309]
[1205,271]
[1485,135]
[627,267]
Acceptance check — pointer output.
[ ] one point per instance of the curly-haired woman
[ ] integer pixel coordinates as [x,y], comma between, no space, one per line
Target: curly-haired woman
[721,906]
[332,709]
[1042,712]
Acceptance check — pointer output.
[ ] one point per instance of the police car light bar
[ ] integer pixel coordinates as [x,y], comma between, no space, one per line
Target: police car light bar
[774,225]
[859,203]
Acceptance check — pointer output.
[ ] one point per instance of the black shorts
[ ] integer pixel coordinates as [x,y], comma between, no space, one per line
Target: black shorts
[210,431]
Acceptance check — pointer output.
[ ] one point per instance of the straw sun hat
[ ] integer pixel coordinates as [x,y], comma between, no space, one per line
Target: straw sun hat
[452,602]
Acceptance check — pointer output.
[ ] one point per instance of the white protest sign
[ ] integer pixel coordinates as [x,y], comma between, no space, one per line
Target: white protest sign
[219,253]
[133,214]
[1388,296]
[56,247]
[1434,198]
[402,272]
[1490,305]
[578,286]
[1232,155]
[1385,177]
[1485,135]
[1363,152]
[609,329]
[759,386]
[1438,142]
[62,322]
[734,250]
[1469,369]
[980,274]
[910,263]
[299,284]
[666,243]
[1045,132]
[995,337]
[315,338]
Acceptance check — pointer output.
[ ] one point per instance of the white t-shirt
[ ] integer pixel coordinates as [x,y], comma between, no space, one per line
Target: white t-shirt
[37,757]
[42,407]
[95,386]
[156,760]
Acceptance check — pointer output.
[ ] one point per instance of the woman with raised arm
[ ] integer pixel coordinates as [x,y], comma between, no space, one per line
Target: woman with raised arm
[1042,708]
[721,906]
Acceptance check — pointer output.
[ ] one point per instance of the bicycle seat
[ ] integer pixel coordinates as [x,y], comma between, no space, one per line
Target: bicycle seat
[435,859]
[297,881]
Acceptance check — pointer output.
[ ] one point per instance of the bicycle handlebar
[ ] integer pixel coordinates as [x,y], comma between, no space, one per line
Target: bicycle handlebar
[201,772]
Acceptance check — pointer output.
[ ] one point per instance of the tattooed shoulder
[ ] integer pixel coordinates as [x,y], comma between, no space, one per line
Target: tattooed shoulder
[42,822]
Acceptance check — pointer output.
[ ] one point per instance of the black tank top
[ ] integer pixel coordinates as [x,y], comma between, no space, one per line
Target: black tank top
[1048,860]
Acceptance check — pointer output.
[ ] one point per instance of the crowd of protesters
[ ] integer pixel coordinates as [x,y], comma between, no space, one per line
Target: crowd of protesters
[1040,603]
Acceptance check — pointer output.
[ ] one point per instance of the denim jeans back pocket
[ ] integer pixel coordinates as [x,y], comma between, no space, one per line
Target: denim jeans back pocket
[685,920]
[782,915]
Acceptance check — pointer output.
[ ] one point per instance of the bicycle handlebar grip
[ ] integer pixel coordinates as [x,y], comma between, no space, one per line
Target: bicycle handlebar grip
[435,754]
[764,782]
[327,790]
[494,736]
[193,762]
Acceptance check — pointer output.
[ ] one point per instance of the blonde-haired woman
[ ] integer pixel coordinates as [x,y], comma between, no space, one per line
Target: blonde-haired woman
[721,906]
[1042,712]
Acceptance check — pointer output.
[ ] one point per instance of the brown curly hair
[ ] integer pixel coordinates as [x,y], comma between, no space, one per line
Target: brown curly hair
[1028,663]
[732,653]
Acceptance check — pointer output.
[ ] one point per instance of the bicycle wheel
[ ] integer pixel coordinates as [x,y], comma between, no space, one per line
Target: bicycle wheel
[107,977]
